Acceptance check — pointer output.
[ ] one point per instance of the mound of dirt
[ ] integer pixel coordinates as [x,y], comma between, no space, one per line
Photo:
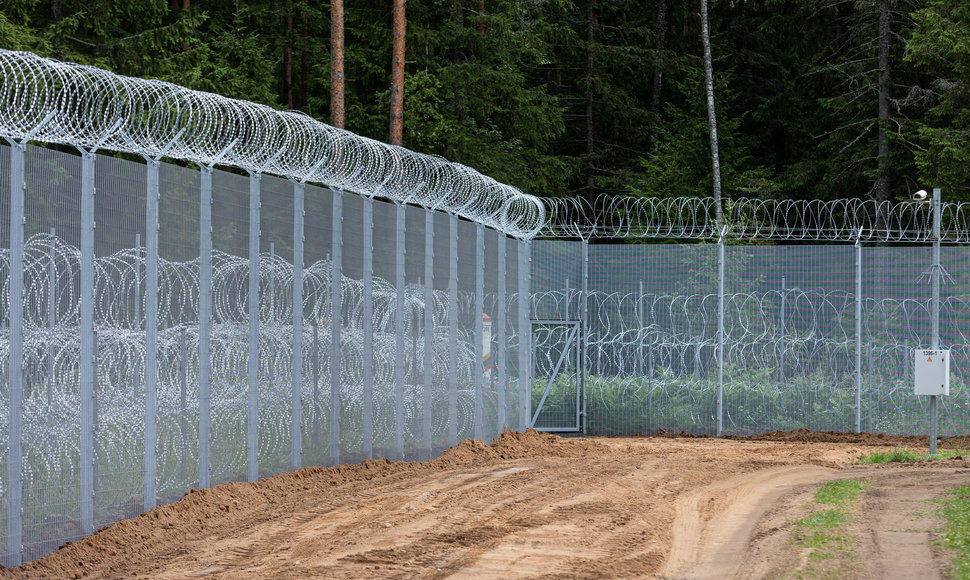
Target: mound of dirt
[809,436]
[528,505]
[140,536]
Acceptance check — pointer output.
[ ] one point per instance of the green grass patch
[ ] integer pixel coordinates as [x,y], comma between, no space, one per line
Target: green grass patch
[908,455]
[956,510]
[820,532]
[826,519]
[840,492]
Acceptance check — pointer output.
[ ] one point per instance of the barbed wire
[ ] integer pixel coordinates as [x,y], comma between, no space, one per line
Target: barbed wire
[91,108]
[609,216]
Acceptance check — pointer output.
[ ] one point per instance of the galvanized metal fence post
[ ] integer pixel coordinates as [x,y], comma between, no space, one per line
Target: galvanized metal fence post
[452,329]
[428,425]
[525,334]
[15,402]
[501,348]
[252,368]
[783,332]
[587,330]
[87,345]
[151,334]
[720,330]
[858,332]
[183,420]
[479,349]
[205,323]
[271,313]
[296,357]
[367,363]
[336,320]
[935,309]
[400,311]
[52,318]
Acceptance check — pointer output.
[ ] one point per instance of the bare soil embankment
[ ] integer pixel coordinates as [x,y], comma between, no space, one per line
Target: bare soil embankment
[530,505]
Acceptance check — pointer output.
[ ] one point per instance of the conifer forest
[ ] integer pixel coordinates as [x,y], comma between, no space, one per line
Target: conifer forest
[814,99]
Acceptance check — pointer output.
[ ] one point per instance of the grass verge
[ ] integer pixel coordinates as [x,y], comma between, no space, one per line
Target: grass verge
[820,531]
[956,511]
[908,455]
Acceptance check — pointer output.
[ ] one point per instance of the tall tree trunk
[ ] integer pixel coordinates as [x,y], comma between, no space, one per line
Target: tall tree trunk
[458,86]
[711,117]
[337,63]
[590,62]
[658,76]
[56,12]
[882,186]
[288,56]
[481,12]
[304,64]
[186,6]
[397,75]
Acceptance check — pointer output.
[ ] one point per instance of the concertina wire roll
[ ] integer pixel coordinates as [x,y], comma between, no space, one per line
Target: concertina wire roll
[92,108]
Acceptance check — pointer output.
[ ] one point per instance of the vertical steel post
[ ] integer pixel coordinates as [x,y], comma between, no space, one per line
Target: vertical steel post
[452,329]
[137,324]
[525,334]
[316,387]
[15,463]
[638,370]
[427,427]
[51,318]
[501,348]
[720,331]
[183,421]
[205,323]
[479,348]
[858,333]
[252,369]
[367,364]
[151,334]
[336,320]
[935,309]
[296,360]
[400,312]
[586,334]
[784,330]
[271,313]
[87,344]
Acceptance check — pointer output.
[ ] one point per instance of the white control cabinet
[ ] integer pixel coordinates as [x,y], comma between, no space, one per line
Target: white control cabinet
[932,372]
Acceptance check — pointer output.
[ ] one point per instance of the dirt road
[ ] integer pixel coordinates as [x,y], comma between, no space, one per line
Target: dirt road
[530,505]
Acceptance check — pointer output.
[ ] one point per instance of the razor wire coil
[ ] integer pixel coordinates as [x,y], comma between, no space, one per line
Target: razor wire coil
[91,108]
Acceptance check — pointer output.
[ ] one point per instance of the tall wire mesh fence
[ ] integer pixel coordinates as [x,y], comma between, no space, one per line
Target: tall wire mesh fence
[166,327]
[790,345]
[348,300]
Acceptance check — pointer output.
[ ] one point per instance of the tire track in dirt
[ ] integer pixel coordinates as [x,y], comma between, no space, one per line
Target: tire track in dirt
[713,525]
[893,532]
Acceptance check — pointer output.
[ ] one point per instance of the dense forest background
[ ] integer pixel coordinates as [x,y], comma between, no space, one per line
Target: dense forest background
[816,99]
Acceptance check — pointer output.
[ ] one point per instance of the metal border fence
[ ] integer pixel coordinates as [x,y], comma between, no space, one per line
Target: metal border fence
[330,306]
[331,298]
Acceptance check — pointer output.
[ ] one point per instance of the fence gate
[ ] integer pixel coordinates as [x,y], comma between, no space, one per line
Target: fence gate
[557,389]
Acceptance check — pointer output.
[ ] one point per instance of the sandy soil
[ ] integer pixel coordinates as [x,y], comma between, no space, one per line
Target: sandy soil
[533,505]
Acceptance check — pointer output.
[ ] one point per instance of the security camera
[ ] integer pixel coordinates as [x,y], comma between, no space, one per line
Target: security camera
[920,195]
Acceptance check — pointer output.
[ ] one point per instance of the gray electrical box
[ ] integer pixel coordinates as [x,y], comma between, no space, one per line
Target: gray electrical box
[932,372]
